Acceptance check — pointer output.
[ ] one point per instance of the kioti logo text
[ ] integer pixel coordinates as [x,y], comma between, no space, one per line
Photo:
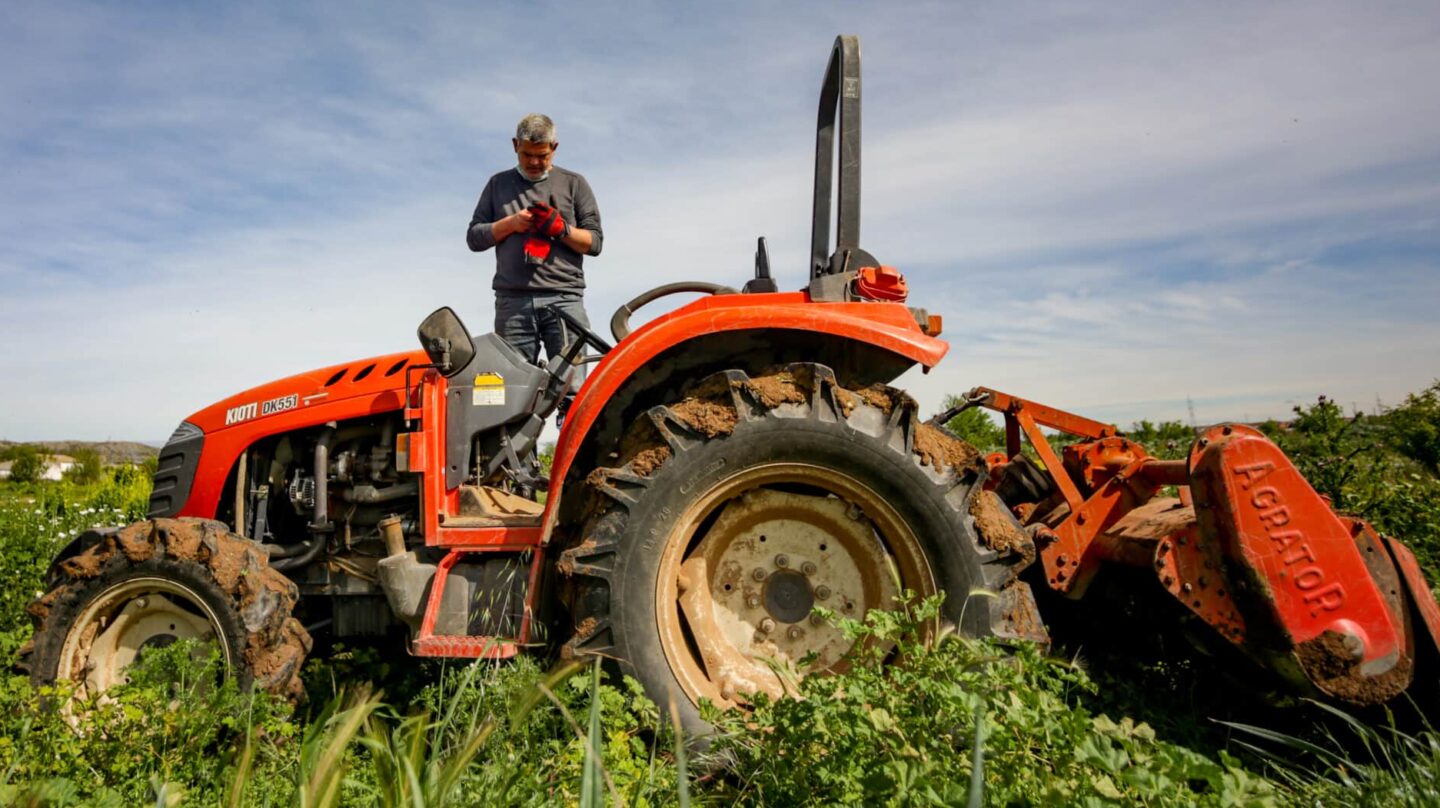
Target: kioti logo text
[244,412]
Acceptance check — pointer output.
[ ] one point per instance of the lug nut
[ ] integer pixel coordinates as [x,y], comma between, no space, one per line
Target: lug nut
[767,625]
[816,620]
[141,603]
[822,592]
[808,568]
[794,633]
[758,574]
[782,561]
[752,600]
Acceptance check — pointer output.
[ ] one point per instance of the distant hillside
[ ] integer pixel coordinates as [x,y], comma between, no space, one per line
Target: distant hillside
[111,451]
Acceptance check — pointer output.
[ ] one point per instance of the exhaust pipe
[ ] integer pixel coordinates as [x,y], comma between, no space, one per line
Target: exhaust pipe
[322,481]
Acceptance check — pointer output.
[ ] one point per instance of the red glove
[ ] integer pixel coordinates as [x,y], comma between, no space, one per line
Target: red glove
[547,222]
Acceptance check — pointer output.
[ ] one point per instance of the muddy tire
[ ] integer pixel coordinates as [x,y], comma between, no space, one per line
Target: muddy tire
[157,581]
[746,503]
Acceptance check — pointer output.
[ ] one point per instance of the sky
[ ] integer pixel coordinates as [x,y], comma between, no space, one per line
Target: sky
[1127,210]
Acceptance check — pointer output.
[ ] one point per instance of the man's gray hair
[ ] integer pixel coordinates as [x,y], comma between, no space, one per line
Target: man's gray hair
[536,128]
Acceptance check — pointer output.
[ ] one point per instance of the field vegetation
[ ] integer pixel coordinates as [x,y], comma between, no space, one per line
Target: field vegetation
[957,721]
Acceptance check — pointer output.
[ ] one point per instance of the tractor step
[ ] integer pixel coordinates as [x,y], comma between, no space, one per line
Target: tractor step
[465,646]
[497,625]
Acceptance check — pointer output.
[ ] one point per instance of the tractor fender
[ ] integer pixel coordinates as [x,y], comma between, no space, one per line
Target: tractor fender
[864,342]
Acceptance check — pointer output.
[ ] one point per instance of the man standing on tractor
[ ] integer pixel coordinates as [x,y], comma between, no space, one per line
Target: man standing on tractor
[542,221]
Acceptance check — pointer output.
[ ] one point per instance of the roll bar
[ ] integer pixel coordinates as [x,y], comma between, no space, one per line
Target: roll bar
[839,95]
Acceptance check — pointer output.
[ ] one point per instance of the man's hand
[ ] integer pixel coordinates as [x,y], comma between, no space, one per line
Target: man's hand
[546,221]
[521,222]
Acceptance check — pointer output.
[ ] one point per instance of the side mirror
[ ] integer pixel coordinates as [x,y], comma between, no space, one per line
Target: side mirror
[446,341]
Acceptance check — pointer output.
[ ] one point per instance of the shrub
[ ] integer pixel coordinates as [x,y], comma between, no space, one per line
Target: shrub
[26,465]
[955,719]
[1415,428]
[175,727]
[1169,440]
[975,426]
[88,468]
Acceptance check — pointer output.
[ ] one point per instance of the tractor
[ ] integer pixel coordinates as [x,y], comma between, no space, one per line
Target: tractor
[725,469]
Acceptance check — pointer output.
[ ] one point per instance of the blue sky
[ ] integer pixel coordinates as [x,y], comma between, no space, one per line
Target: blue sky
[1115,206]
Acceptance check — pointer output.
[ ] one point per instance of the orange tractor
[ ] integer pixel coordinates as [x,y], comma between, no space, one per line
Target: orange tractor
[725,469]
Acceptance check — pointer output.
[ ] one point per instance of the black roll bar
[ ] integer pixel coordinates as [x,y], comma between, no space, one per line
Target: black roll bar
[839,92]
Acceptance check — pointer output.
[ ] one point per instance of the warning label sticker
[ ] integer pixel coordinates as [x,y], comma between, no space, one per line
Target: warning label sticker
[489,390]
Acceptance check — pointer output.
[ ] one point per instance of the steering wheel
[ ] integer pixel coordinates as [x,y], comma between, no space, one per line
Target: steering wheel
[586,335]
[620,323]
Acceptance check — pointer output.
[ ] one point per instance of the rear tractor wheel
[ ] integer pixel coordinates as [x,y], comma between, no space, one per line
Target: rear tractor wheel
[157,582]
[749,502]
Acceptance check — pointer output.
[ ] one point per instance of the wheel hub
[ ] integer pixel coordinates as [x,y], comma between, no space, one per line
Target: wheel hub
[788,597]
[122,623]
[763,559]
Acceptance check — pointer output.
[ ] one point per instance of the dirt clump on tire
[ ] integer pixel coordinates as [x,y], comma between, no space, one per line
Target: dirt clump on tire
[940,451]
[710,418]
[997,529]
[649,459]
[781,387]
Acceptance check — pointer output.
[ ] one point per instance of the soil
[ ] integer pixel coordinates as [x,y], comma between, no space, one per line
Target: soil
[182,540]
[645,463]
[228,563]
[938,450]
[134,542]
[1326,656]
[997,530]
[880,396]
[566,564]
[778,388]
[1336,671]
[596,478]
[1019,615]
[710,418]
[279,670]
[87,565]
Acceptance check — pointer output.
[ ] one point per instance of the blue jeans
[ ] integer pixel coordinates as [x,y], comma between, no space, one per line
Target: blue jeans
[522,320]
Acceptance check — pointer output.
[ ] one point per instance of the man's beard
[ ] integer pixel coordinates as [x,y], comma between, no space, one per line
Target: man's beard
[527,175]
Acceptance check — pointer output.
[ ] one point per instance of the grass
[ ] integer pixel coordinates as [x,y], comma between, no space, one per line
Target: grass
[957,722]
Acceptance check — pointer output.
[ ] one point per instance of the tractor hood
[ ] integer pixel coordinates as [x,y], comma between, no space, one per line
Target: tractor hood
[365,386]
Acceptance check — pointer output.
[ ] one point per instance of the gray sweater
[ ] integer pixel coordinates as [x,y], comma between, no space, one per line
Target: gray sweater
[509,192]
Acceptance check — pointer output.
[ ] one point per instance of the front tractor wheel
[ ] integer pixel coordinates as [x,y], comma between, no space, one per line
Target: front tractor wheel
[750,502]
[157,582]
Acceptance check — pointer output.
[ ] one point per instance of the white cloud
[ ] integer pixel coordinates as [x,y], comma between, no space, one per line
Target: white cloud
[1113,207]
